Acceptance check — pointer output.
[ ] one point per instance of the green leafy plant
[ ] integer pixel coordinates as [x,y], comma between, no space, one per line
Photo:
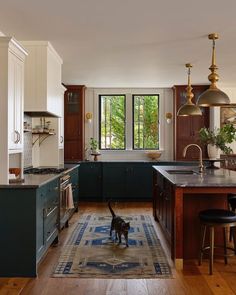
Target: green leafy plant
[219,137]
[93,144]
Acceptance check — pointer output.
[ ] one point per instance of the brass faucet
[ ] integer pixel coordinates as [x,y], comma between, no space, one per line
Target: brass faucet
[201,167]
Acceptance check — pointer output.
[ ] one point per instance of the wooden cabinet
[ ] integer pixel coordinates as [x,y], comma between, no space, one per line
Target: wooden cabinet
[90,181]
[74,122]
[42,78]
[187,128]
[163,204]
[28,228]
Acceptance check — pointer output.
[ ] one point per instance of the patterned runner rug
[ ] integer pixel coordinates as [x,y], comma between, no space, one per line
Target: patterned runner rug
[90,253]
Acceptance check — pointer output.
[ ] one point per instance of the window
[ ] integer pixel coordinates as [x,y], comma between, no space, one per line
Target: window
[145,122]
[112,122]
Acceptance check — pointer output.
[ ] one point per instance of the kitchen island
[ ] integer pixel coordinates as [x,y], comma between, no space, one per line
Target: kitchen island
[179,195]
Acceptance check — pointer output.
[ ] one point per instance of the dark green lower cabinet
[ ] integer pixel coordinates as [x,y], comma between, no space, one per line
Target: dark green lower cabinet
[126,181]
[74,176]
[28,226]
[114,181]
[90,181]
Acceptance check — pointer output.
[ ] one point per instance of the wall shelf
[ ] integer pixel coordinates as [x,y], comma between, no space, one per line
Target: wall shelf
[42,136]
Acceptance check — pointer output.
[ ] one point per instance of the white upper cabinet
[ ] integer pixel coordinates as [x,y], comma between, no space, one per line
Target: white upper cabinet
[12,59]
[61,119]
[15,102]
[42,78]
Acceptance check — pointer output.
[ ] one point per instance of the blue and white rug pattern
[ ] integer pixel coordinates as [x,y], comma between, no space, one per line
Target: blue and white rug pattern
[90,253]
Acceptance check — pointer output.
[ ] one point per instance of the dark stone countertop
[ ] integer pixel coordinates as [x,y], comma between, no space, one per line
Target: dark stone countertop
[157,162]
[209,178]
[37,180]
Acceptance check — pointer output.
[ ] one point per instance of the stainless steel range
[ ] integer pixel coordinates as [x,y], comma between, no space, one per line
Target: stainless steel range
[46,170]
[66,207]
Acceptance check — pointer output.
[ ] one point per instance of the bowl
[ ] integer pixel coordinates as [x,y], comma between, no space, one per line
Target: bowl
[153,155]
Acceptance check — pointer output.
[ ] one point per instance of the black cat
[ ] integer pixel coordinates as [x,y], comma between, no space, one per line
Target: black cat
[119,225]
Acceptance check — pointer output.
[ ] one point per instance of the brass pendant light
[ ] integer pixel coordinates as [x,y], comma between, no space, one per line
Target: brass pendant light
[213,96]
[189,108]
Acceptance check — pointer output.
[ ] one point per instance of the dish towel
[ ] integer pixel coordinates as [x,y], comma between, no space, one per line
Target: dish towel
[69,197]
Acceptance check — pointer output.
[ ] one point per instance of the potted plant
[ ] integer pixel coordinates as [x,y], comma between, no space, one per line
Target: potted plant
[94,146]
[218,138]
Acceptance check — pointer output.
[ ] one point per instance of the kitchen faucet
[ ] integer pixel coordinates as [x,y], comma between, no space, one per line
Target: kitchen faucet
[201,167]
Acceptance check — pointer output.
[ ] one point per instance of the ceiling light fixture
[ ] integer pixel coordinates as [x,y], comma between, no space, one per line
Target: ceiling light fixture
[189,108]
[213,96]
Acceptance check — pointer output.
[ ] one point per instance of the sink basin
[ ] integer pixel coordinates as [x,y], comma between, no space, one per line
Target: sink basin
[181,172]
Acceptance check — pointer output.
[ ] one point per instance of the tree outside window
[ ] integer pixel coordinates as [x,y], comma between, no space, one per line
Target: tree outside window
[146,122]
[112,122]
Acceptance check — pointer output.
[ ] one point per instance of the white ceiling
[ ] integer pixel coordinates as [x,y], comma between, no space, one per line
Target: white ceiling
[129,43]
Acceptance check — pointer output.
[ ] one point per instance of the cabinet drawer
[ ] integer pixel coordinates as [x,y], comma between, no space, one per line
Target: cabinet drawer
[49,213]
[52,194]
[51,234]
[51,224]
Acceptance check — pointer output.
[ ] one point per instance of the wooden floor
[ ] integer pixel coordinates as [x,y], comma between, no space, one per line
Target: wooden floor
[192,280]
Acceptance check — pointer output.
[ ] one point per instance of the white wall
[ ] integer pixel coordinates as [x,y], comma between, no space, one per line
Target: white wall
[166,130]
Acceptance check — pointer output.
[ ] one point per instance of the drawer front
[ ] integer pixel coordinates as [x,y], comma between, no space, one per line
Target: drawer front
[51,225]
[52,194]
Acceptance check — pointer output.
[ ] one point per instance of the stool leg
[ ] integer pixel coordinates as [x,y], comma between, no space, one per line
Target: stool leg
[234,237]
[202,243]
[225,245]
[230,234]
[211,249]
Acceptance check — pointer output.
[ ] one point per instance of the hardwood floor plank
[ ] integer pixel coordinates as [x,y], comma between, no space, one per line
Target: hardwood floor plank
[193,280]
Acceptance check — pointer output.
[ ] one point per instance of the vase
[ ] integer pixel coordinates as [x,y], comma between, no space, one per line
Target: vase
[213,151]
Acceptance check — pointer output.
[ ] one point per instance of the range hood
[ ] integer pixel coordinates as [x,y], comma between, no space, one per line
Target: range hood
[37,114]
[42,91]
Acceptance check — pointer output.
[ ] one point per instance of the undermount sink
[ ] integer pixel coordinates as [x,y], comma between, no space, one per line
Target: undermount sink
[182,171]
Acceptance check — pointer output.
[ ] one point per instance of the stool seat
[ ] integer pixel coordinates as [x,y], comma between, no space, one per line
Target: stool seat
[217,216]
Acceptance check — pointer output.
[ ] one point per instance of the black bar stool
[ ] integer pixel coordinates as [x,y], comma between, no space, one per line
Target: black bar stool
[232,207]
[216,218]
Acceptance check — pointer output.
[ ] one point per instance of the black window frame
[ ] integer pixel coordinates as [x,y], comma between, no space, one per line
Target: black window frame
[109,149]
[146,149]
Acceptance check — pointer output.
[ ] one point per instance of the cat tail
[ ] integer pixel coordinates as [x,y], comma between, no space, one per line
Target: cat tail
[111,210]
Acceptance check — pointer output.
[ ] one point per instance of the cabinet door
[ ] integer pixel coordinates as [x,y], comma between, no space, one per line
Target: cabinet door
[75,186]
[40,212]
[61,121]
[74,122]
[61,133]
[90,181]
[51,211]
[15,99]
[114,181]
[139,181]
